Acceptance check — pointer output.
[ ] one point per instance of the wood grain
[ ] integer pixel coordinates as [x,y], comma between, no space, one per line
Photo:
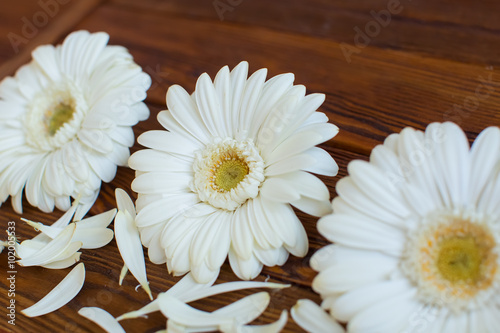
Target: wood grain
[445,29]
[379,93]
[50,19]
[433,62]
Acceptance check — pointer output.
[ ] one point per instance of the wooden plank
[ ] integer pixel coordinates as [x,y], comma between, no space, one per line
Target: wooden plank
[103,269]
[379,93]
[463,31]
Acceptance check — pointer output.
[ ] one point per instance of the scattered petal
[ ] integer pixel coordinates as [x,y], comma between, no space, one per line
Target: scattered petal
[313,318]
[64,292]
[130,246]
[102,318]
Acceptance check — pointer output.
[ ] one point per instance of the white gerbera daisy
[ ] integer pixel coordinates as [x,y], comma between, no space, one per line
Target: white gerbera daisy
[237,153]
[417,233]
[65,121]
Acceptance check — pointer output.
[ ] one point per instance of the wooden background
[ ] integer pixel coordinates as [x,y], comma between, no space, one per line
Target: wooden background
[428,63]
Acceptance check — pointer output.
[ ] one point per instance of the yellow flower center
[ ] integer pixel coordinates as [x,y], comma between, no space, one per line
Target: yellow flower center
[460,259]
[229,173]
[453,261]
[54,116]
[58,115]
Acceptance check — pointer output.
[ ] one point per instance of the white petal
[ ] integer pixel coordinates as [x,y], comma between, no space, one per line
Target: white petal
[312,207]
[97,221]
[185,112]
[64,263]
[102,318]
[52,249]
[245,269]
[130,246]
[356,300]
[239,312]
[124,202]
[238,79]
[156,182]
[275,327]
[208,104]
[273,91]
[363,268]
[483,162]
[222,85]
[206,290]
[279,190]
[452,162]
[123,273]
[168,142]
[246,309]
[149,308]
[64,292]
[314,319]
[361,233]
[323,164]
[93,238]
[249,101]
[389,315]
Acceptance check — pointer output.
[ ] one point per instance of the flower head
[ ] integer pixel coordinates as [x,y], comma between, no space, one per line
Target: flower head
[65,121]
[221,180]
[417,233]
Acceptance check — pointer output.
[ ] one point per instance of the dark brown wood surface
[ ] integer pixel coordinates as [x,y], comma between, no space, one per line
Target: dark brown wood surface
[425,65]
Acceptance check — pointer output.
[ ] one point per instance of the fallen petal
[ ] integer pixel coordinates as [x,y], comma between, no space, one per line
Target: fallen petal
[123,273]
[188,290]
[49,231]
[64,263]
[142,312]
[51,250]
[313,318]
[195,295]
[64,292]
[246,309]
[124,203]
[238,313]
[97,221]
[275,327]
[130,247]
[93,238]
[102,318]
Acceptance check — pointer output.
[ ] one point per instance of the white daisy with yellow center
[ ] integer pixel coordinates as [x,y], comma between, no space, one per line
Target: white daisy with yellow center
[65,121]
[417,236]
[221,180]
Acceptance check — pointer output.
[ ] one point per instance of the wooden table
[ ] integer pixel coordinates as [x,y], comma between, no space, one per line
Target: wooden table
[383,65]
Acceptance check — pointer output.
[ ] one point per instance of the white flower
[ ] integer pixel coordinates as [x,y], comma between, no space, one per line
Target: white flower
[221,180]
[417,233]
[65,121]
